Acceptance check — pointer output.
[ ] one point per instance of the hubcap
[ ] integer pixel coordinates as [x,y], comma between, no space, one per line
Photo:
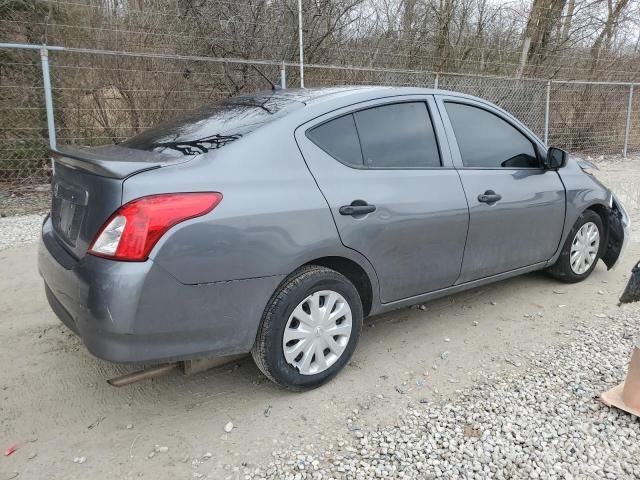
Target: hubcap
[317,332]
[584,248]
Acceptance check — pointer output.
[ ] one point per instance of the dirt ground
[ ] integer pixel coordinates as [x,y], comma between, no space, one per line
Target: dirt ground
[56,405]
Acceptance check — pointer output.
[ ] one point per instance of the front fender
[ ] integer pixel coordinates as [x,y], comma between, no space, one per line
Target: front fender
[619,233]
[582,192]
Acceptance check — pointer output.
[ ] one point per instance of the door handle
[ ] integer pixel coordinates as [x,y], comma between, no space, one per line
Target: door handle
[489,197]
[357,207]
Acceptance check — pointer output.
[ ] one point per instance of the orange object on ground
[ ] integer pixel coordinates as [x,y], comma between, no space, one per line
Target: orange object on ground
[626,396]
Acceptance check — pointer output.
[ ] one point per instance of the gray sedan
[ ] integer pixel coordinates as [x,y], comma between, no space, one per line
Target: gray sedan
[274,223]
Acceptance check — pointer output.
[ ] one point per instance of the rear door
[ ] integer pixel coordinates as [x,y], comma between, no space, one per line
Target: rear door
[516,207]
[392,190]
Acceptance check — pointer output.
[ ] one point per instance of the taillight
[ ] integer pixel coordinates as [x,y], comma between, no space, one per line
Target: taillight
[133,230]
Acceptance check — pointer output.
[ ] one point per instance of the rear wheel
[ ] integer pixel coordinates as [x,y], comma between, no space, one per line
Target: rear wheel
[309,329]
[581,251]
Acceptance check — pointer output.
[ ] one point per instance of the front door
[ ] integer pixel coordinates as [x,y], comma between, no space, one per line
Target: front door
[392,190]
[516,207]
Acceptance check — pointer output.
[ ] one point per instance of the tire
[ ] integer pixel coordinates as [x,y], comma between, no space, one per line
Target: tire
[562,270]
[269,348]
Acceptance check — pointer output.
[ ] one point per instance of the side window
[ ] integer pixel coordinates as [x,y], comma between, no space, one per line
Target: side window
[339,138]
[398,136]
[487,141]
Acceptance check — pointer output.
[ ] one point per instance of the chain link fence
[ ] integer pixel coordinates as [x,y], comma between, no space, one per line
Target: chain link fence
[594,118]
[107,99]
[23,125]
[101,97]
[525,99]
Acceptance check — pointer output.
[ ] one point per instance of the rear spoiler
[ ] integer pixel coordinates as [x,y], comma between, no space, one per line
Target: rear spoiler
[111,161]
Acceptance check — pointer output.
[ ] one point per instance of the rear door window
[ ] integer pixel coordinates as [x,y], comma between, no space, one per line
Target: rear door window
[487,141]
[398,136]
[339,138]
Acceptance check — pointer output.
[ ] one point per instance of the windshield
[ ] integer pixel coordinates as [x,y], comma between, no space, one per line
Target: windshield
[214,126]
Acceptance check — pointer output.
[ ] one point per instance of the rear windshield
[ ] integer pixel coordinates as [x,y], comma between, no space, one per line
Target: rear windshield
[214,126]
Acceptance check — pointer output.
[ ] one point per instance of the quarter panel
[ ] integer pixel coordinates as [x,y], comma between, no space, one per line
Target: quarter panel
[136,311]
[271,220]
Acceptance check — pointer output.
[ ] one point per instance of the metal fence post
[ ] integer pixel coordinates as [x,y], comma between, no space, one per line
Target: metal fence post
[435,82]
[546,113]
[627,127]
[300,44]
[283,76]
[48,97]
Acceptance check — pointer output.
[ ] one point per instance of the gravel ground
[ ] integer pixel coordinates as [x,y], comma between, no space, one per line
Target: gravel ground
[19,230]
[24,199]
[22,208]
[544,421]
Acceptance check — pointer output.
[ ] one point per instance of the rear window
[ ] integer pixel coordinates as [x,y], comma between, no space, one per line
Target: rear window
[214,126]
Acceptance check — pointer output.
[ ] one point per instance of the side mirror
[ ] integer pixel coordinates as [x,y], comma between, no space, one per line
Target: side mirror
[556,158]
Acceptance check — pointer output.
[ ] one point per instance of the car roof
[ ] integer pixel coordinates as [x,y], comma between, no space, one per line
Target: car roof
[304,104]
[319,101]
[316,95]
[311,102]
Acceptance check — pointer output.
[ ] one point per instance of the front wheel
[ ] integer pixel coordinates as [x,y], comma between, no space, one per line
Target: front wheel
[581,251]
[310,328]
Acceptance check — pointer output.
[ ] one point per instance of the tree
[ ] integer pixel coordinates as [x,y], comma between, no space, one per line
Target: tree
[544,17]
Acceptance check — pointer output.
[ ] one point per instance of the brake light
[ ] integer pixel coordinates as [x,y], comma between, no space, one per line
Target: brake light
[132,231]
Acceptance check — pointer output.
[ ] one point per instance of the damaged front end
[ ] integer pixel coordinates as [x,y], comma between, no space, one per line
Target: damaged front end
[619,232]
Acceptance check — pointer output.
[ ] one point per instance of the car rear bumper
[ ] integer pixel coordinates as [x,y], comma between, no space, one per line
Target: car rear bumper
[138,312]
